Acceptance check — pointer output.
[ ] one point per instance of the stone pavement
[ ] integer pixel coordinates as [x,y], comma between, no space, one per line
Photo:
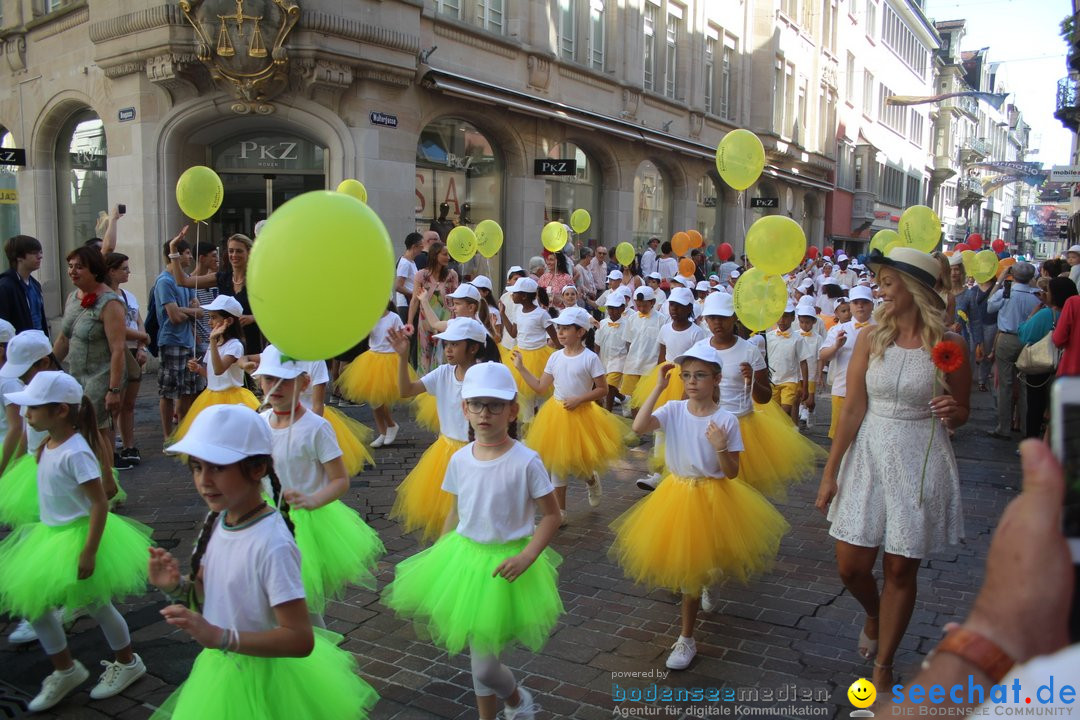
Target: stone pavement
[790,633]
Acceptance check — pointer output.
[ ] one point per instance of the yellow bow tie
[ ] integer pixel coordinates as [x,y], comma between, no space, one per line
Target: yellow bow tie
[612,324]
[805,333]
[781,333]
[643,315]
[861,324]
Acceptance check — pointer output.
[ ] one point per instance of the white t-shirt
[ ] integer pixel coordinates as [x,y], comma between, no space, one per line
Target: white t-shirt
[838,366]
[406,268]
[643,336]
[8,386]
[319,374]
[735,393]
[249,571]
[648,262]
[532,328]
[812,343]
[512,310]
[677,342]
[667,267]
[687,451]
[61,470]
[34,438]
[495,497]
[379,339]
[300,451]
[785,354]
[758,341]
[131,314]
[573,375]
[609,338]
[442,382]
[234,376]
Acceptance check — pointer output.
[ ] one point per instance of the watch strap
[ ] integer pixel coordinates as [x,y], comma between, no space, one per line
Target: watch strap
[978,650]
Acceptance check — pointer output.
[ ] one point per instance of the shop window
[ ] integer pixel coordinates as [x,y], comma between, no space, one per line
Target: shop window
[566,193]
[81,182]
[652,204]
[9,193]
[710,208]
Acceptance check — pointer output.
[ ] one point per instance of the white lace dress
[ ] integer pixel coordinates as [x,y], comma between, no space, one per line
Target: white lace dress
[877,499]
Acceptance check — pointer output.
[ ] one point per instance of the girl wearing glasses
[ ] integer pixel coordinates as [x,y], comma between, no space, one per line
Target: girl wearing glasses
[490,582]
[702,521]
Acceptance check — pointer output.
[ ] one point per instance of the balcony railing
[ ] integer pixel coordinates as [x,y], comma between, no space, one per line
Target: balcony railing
[970,185]
[1068,92]
[977,146]
[964,103]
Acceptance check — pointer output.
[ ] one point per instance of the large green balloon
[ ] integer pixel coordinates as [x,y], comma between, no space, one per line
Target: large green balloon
[776,244]
[199,192]
[760,299]
[320,275]
[920,228]
[624,253]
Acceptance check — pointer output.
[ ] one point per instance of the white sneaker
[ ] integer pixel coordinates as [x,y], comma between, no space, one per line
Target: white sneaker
[708,602]
[562,518]
[682,652]
[23,633]
[526,709]
[117,677]
[391,435]
[596,490]
[57,686]
[379,441]
[649,482]
[625,411]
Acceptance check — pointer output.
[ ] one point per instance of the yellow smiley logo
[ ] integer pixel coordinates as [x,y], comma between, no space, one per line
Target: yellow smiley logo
[862,693]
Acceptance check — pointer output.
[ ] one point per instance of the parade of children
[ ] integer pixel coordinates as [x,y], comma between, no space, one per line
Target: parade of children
[561,493]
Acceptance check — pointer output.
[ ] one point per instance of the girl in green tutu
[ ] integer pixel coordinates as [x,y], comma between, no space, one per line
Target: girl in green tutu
[261,657]
[78,555]
[490,581]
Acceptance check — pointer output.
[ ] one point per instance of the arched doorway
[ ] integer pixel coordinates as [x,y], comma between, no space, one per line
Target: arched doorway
[9,193]
[82,200]
[652,204]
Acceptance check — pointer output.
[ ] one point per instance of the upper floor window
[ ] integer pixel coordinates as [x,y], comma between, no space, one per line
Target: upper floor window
[727,71]
[896,36]
[443,7]
[674,29]
[868,93]
[596,34]
[649,75]
[870,19]
[567,28]
[710,71]
[489,15]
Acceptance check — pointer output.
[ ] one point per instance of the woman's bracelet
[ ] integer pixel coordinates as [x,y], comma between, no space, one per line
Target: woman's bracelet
[178,593]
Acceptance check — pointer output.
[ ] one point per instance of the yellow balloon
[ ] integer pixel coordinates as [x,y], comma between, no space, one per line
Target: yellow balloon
[315,306]
[199,192]
[580,220]
[461,243]
[355,188]
[489,238]
[553,236]
[759,299]
[920,228]
[895,243]
[968,259]
[740,158]
[883,239]
[776,244]
[624,253]
[986,265]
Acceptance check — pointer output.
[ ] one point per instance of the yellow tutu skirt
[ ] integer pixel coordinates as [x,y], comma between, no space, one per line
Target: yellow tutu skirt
[674,390]
[421,503]
[353,437]
[690,532]
[372,378]
[426,410]
[775,453]
[578,442]
[208,397]
[534,361]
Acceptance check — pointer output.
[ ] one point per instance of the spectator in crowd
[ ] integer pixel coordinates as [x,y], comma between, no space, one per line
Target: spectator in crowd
[177,385]
[649,258]
[134,357]
[1073,258]
[1032,330]
[982,330]
[698,256]
[1013,300]
[583,276]
[427,238]
[555,278]
[21,301]
[600,266]
[668,264]
[537,267]
[437,280]
[404,283]
[1067,337]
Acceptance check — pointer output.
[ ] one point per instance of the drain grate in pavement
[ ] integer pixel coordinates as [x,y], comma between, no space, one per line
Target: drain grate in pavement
[11,703]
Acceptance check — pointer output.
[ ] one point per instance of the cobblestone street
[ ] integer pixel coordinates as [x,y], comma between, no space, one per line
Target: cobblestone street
[793,631]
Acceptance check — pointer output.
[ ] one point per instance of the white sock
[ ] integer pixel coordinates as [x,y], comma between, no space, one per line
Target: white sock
[688,640]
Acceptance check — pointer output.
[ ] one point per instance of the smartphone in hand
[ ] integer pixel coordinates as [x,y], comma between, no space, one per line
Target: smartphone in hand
[121,208]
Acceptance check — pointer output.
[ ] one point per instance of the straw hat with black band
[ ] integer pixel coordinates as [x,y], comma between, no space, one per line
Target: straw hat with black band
[916,264]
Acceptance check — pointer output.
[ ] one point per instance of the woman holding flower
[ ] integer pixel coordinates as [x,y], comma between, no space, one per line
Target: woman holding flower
[891,481]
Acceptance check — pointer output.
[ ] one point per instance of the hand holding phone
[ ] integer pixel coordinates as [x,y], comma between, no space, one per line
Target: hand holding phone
[121,208]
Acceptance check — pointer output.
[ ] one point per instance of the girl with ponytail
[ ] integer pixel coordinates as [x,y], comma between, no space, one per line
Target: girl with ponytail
[244,598]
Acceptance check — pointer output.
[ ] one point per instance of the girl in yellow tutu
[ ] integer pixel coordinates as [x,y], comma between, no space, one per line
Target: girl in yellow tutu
[372,377]
[701,523]
[491,581]
[573,434]
[532,328]
[776,454]
[223,364]
[421,504]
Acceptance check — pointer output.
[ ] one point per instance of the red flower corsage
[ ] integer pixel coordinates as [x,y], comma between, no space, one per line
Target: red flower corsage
[89,300]
[948,357]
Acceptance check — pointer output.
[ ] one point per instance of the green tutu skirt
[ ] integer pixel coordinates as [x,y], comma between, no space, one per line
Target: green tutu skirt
[39,566]
[449,593]
[18,492]
[242,687]
[336,548]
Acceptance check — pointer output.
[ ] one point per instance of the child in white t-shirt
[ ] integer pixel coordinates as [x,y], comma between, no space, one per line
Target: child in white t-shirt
[612,347]
[532,329]
[372,377]
[337,545]
[812,341]
[641,333]
[787,364]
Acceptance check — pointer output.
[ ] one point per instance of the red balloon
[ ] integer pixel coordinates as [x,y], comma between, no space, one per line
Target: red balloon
[725,251]
[827,252]
[964,246]
[998,245]
[975,241]
[812,252]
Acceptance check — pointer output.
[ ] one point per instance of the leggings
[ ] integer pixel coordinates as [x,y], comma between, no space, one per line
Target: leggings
[51,633]
[490,676]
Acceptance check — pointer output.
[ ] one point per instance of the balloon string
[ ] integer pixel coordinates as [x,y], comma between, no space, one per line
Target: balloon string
[742,216]
[195,334]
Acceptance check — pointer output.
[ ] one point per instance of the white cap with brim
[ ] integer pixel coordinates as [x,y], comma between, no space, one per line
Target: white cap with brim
[789,308]
[916,264]
[463,328]
[481,281]
[488,379]
[466,292]
[271,364]
[524,285]
[654,276]
[681,296]
[615,275]
[861,292]
[48,386]
[515,269]
[7,331]
[700,351]
[806,309]
[574,316]
[722,304]
[1074,248]
[225,304]
[644,293]
[225,434]
[616,299]
[734,274]
[703,286]
[23,351]
[956,259]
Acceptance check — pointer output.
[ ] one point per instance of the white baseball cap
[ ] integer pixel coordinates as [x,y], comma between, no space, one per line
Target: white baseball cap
[644,293]
[841,257]
[805,307]
[24,350]
[722,304]
[574,316]
[48,386]
[1074,248]
[514,269]
[7,331]
[789,308]
[524,285]
[271,364]
[463,328]
[714,277]
[700,351]
[806,284]
[466,292]
[225,304]
[703,286]
[615,275]
[681,296]
[654,276]
[956,259]
[225,434]
[616,299]
[488,379]
[481,281]
[861,292]
[686,282]
[734,274]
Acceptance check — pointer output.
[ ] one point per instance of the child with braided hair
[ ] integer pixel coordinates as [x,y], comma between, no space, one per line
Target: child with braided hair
[243,600]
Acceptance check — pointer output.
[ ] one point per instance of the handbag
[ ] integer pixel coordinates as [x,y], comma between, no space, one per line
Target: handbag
[1039,358]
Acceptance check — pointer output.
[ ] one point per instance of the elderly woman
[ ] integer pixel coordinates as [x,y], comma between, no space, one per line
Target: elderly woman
[93,337]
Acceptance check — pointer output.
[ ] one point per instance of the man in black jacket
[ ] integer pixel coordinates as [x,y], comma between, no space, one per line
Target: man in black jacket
[21,301]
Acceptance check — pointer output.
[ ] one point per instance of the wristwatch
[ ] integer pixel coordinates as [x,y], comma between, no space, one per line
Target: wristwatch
[114,389]
[976,649]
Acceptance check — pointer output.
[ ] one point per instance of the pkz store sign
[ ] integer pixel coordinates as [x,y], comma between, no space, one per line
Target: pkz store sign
[549,166]
[269,153]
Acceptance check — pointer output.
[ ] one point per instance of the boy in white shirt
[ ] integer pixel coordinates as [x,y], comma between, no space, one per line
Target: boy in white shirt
[641,333]
[612,347]
[838,347]
[653,281]
[811,341]
[787,364]
[614,282]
